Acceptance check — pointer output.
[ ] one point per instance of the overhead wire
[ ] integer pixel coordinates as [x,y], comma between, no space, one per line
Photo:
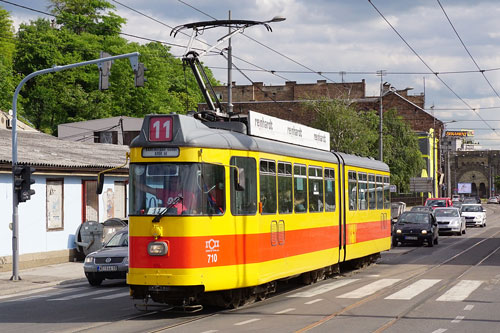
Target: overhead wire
[436,74]
[466,49]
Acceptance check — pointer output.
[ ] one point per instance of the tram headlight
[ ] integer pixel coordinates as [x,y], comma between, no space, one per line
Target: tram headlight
[157,248]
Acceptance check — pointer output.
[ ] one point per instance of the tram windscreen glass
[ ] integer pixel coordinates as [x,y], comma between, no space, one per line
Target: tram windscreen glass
[177,189]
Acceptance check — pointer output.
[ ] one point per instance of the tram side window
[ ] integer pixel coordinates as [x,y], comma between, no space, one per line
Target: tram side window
[244,202]
[329,190]
[315,189]
[353,190]
[267,178]
[362,191]
[387,193]
[380,193]
[372,198]
[285,181]
[300,188]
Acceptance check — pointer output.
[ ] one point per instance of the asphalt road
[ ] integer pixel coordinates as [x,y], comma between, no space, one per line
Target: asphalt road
[451,287]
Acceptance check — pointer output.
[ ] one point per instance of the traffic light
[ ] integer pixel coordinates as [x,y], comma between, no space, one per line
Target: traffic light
[104,71]
[139,75]
[23,182]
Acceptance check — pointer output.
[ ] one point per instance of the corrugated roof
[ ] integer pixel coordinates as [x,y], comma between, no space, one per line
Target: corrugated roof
[39,149]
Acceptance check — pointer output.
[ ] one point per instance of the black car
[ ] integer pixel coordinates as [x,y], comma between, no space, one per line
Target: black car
[416,227]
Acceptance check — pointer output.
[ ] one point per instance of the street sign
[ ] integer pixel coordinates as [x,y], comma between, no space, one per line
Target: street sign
[421,184]
[393,188]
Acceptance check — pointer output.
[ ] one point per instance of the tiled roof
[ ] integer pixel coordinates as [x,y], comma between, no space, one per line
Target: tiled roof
[39,149]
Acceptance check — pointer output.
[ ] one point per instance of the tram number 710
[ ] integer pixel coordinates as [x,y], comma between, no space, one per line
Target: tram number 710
[160,129]
[212,258]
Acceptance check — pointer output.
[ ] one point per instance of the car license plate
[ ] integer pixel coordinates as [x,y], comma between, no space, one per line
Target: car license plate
[107,268]
[411,237]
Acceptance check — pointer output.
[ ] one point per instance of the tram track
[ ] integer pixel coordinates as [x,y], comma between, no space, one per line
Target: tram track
[408,280]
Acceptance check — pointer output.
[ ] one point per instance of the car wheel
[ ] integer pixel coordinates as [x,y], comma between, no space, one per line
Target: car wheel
[463,231]
[95,281]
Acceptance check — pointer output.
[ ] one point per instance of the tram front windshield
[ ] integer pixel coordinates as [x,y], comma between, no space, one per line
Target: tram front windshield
[177,189]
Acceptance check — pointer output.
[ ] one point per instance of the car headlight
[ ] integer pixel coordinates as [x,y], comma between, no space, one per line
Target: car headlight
[424,232]
[157,248]
[398,231]
[89,259]
[125,260]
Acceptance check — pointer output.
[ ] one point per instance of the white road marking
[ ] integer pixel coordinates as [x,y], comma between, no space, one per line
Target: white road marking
[469,307]
[211,331]
[460,291]
[413,289]
[113,296]
[441,330]
[78,295]
[247,322]
[370,288]
[324,288]
[285,311]
[314,301]
[457,319]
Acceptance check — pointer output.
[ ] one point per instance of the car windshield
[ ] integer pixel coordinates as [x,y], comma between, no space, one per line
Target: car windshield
[177,189]
[436,203]
[446,213]
[414,218]
[119,239]
[466,208]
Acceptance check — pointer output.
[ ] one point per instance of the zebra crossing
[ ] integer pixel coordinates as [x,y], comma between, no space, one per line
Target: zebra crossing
[58,295]
[456,293]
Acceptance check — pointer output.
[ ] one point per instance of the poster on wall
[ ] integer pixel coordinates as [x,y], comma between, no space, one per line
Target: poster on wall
[55,204]
[464,188]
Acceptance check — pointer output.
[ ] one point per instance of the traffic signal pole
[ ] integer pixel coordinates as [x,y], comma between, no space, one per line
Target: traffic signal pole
[134,61]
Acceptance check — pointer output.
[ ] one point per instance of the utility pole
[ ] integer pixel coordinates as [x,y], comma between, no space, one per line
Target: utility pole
[229,72]
[381,73]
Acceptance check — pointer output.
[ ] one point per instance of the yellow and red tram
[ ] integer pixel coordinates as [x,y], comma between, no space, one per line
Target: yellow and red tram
[219,214]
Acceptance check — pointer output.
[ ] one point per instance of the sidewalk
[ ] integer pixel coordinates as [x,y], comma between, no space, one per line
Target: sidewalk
[41,277]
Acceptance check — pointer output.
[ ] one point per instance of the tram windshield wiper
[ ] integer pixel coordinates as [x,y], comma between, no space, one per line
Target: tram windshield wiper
[174,202]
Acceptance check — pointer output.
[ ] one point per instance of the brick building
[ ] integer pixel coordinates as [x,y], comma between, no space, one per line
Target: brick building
[286,102]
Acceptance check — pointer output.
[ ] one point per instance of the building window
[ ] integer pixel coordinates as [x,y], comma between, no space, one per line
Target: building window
[55,204]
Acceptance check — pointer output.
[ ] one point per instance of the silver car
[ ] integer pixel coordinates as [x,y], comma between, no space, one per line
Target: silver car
[110,262]
[449,220]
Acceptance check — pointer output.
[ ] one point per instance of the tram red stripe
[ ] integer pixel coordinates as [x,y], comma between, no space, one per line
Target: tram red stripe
[223,250]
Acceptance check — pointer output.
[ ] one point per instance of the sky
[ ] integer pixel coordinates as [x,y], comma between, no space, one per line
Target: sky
[345,41]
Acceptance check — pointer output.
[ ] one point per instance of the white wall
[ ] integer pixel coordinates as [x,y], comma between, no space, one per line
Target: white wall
[33,234]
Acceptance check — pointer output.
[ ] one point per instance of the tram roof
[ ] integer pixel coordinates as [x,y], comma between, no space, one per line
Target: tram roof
[191,132]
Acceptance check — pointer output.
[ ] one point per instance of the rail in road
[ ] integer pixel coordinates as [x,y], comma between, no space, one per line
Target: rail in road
[452,279]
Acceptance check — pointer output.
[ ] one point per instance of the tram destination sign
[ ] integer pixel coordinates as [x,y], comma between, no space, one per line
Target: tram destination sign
[269,127]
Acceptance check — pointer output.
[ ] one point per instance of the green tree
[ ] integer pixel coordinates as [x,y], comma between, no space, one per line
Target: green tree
[349,132]
[7,49]
[91,16]
[73,95]
[356,132]
[401,150]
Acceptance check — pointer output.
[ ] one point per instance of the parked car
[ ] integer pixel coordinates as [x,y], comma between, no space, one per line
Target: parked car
[474,214]
[450,221]
[110,262]
[493,200]
[438,202]
[416,227]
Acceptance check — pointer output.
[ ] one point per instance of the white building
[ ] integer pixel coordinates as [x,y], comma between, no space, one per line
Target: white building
[66,179]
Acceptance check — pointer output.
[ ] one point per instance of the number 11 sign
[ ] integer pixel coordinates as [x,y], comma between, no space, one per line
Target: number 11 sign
[160,129]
